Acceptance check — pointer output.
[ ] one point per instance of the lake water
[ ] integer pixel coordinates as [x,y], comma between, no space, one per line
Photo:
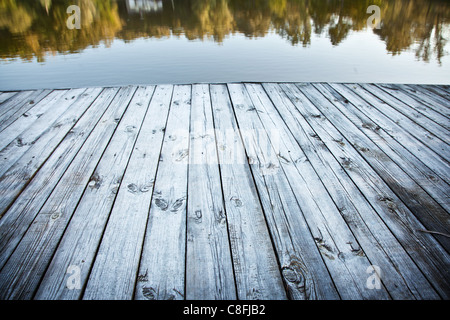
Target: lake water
[121,42]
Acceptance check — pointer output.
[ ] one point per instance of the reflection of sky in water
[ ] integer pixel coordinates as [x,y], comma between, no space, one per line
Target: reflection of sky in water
[361,56]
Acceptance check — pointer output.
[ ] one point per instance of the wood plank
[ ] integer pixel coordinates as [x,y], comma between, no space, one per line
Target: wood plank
[304,272]
[20,108]
[31,158]
[256,269]
[439,90]
[421,175]
[402,128]
[426,209]
[416,105]
[340,250]
[86,230]
[376,240]
[26,139]
[163,257]
[411,113]
[5,95]
[424,249]
[56,101]
[27,264]
[21,214]
[280,191]
[443,87]
[430,150]
[122,241]
[10,104]
[436,98]
[428,99]
[209,269]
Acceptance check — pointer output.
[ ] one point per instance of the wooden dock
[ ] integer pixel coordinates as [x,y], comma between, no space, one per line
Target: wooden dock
[226,191]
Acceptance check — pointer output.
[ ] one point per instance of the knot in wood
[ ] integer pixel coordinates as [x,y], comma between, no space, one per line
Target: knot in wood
[162,204]
[177,204]
[145,188]
[132,188]
[347,163]
[149,293]
[198,216]
[55,215]
[237,202]
[293,276]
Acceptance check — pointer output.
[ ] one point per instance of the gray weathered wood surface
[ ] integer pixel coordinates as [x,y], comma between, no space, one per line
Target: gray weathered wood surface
[226,191]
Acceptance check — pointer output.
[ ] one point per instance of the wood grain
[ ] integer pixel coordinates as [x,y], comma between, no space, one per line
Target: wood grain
[37,144]
[255,264]
[430,256]
[304,272]
[369,229]
[209,269]
[238,191]
[162,265]
[26,265]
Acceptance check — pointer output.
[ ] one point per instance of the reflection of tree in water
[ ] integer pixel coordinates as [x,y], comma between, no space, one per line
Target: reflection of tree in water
[34,28]
[420,23]
[31,29]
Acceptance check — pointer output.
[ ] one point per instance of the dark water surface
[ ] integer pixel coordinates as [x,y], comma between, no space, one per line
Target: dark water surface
[123,42]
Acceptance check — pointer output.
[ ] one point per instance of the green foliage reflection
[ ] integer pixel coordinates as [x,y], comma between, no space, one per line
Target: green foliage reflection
[34,28]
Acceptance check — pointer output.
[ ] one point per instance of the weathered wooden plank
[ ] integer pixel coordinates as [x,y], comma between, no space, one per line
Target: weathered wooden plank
[416,105]
[57,101]
[41,126]
[304,272]
[14,178]
[443,87]
[23,211]
[406,111]
[256,268]
[209,269]
[439,90]
[11,104]
[416,93]
[290,203]
[114,271]
[421,175]
[81,240]
[340,250]
[436,98]
[163,257]
[430,150]
[400,275]
[397,125]
[430,213]
[4,96]
[21,107]
[26,265]
[426,252]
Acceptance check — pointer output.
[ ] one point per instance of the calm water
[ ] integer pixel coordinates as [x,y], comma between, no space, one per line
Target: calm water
[124,42]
